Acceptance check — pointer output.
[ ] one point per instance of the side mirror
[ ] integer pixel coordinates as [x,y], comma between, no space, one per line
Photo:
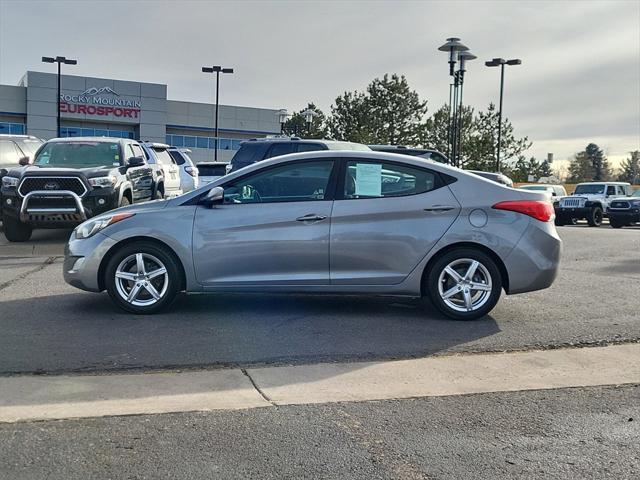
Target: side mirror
[136,162]
[23,161]
[215,196]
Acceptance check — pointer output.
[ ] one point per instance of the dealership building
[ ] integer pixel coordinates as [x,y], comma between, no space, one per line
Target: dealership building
[118,108]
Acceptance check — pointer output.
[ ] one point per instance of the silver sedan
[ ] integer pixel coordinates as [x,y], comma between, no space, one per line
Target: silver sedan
[326,222]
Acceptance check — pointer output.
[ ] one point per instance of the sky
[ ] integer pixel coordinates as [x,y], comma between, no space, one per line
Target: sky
[579,81]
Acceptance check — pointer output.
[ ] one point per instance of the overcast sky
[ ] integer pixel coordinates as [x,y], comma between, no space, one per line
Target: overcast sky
[579,80]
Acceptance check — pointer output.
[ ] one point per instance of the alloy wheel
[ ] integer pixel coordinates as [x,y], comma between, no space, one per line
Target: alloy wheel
[141,279]
[465,285]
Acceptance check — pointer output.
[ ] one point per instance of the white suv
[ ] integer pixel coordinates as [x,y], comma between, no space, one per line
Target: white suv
[590,201]
[170,169]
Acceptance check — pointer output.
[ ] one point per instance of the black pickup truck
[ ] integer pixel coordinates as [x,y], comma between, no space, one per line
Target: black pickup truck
[73,179]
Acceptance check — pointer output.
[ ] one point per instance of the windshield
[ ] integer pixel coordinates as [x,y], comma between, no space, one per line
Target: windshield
[636,193]
[79,154]
[589,190]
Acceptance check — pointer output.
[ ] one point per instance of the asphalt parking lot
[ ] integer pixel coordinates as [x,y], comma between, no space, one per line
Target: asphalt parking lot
[49,327]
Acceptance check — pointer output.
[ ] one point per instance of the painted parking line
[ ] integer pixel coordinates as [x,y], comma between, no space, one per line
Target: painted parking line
[58,397]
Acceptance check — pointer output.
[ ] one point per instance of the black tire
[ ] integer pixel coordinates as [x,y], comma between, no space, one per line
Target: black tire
[124,201]
[15,230]
[594,219]
[159,193]
[615,223]
[559,221]
[432,281]
[164,255]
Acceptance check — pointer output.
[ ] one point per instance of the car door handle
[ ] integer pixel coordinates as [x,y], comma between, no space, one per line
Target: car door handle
[439,208]
[312,217]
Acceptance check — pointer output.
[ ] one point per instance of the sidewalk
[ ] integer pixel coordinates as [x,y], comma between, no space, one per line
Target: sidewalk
[28,398]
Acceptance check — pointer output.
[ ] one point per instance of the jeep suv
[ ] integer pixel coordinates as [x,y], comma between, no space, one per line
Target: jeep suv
[590,201]
[257,149]
[72,179]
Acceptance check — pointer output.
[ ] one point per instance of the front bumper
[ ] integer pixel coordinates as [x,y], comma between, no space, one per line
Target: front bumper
[629,215]
[82,259]
[572,212]
[60,208]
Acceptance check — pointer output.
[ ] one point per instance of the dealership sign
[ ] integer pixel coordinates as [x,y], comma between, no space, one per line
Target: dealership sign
[93,102]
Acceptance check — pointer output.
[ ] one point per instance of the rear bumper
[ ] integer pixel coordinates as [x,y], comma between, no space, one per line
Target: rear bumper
[533,264]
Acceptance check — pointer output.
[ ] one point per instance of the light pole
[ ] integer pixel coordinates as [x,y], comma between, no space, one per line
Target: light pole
[501,62]
[309,115]
[464,57]
[454,47]
[59,61]
[216,69]
[282,118]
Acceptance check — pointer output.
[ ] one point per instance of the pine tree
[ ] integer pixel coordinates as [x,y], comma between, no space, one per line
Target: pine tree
[298,126]
[631,169]
[599,163]
[580,168]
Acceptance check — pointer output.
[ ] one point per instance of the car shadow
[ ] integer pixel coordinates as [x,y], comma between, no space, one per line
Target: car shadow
[82,332]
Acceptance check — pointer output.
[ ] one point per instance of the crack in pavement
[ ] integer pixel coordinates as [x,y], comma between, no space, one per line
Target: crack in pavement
[22,276]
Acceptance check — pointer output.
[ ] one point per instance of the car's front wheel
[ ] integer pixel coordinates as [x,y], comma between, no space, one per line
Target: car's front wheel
[594,219]
[464,284]
[143,277]
[15,230]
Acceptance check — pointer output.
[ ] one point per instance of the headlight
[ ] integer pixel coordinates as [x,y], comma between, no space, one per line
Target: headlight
[94,225]
[109,181]
[9,182]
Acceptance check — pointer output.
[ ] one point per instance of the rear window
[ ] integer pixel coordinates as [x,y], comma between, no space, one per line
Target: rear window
[163,156]
[348,146]
[211,170]
[79,154]
[177,156]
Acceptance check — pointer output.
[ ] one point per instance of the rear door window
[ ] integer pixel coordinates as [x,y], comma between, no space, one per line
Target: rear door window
[163,157]
[177,156]
[9,153]
[367,179]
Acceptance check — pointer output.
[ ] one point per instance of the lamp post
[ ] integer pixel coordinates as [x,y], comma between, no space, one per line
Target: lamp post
[282,118]
[217,69]
[309,115]
[454,47]
[59,61]
[501,62]
[464,57]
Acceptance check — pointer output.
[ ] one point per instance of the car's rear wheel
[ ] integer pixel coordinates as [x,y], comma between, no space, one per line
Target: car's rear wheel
[15,230]
[143,277]
[595,217]
[464,284]
[560,222]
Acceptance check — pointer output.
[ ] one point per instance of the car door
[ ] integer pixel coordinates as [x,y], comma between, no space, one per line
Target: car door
[272,229]
[386,217]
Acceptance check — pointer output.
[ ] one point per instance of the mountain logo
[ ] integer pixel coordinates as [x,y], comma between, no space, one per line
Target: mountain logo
[97,91]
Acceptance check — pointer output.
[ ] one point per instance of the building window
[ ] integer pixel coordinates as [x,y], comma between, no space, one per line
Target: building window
[12,128]
[94,132]
[202,142]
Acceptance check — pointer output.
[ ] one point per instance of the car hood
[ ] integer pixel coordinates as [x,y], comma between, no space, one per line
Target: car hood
[35,171]
[150,206]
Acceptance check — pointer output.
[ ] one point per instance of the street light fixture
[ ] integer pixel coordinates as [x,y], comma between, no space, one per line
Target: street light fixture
[59,60]
[217,69]
[309,115]
[282,118]
[464,57]
[454,47]
[501,62]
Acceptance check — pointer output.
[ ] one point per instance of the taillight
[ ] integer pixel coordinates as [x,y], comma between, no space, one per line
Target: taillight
[538,209]
[191,171]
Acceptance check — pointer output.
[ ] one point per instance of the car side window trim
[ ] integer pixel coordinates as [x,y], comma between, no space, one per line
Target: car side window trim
[340,184]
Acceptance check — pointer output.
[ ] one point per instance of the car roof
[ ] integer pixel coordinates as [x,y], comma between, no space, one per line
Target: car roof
[278,139]
[604,183]
[89,139]
[26,137]
[163,146]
